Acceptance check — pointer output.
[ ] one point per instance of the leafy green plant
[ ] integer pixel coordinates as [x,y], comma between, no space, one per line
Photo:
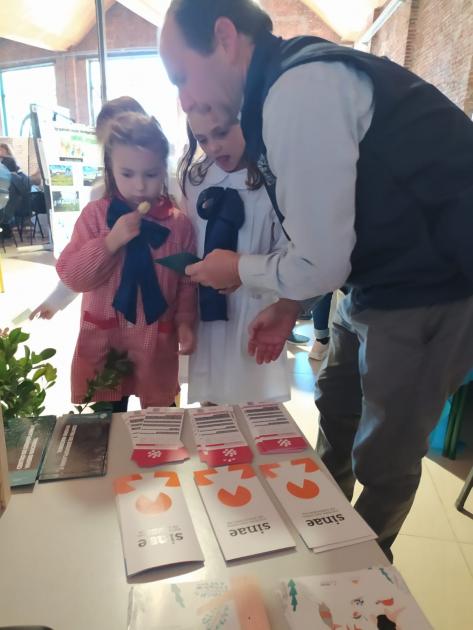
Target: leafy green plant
[23,381]
[117,366]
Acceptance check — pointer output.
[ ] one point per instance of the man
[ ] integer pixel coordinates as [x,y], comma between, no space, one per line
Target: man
[371,171]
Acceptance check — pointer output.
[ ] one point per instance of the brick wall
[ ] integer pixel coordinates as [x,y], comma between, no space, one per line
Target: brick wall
[292,17]
[437,41]
[391,39]
[432,37]
[124,30]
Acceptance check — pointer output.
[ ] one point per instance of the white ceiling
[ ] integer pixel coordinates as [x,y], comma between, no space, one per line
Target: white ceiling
[60,24]
[348,18]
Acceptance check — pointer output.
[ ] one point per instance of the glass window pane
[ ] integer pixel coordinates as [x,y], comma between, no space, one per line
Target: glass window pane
[24,86]
[144,78]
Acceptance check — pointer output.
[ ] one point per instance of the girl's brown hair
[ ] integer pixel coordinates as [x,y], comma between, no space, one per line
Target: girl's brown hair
[135,130]
[196,170]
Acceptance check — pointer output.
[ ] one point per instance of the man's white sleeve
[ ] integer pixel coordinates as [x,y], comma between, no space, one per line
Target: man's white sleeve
[314,118]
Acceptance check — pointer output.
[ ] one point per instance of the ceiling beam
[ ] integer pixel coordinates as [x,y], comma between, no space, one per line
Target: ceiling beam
[50,24]
[348,18]
[152,11]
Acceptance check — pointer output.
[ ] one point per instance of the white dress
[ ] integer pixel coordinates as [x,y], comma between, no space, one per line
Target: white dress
[221,370]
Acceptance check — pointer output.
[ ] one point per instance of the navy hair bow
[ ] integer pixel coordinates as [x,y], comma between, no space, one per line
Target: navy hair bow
[224,212]
[138,268]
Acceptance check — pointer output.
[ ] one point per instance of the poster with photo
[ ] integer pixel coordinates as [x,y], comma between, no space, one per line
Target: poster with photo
[91,175]
[60,175]
[66,200]
[71,162]
[76,144]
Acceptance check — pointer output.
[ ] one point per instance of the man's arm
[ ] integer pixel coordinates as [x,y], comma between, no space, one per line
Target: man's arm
[314,118]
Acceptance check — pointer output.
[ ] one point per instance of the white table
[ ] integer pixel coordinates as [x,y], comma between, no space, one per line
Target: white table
[61,560]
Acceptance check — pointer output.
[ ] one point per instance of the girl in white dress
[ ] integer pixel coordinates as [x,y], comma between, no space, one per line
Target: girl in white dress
[221,370]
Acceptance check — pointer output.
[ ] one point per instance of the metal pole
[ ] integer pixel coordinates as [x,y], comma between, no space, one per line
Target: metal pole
[102,46]
[4,109]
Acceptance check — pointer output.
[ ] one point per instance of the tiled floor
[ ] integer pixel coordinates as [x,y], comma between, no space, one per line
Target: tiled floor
[435,549]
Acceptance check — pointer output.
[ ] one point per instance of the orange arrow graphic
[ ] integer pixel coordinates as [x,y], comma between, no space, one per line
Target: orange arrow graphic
[201,476]
[268,470]
[310,465]
[246,470]
[121,485]
[173,479]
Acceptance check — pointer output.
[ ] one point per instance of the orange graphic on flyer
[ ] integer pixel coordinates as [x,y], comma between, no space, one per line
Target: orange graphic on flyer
[161,503]
[310,465]
[240,497]
[308,490]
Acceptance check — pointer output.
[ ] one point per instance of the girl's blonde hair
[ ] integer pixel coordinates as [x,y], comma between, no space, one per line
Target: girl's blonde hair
[135,130]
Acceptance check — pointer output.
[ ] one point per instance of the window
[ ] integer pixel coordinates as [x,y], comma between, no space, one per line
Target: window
[143,77]
[20,88]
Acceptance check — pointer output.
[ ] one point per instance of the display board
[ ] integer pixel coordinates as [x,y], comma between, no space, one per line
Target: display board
[71,163]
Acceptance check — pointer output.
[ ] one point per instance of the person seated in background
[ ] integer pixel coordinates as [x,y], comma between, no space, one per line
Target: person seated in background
[18,204]
[5,178]
[6,150]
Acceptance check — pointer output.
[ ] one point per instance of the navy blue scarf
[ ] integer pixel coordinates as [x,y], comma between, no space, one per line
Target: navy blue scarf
[138,268]
[224,212]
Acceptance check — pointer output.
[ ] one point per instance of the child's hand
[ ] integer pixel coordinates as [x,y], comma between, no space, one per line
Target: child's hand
[44,311]
[124,230]
[186,339]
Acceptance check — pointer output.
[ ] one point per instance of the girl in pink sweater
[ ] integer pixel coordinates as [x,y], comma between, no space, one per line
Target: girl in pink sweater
[129,303]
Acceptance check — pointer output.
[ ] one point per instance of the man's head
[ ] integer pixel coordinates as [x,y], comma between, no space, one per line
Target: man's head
[206,46]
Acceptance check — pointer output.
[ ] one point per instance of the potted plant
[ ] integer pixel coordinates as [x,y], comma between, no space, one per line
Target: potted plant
[23,380]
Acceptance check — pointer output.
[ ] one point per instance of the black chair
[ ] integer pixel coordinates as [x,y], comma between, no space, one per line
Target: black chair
[37,206]
[6,232]
[465,491]
[18,209]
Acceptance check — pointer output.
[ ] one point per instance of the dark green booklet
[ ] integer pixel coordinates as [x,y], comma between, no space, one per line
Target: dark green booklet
[27,439]
[178,262]
[78,447]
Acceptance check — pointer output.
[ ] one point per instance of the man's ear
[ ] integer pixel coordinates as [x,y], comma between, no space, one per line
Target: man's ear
[226,36]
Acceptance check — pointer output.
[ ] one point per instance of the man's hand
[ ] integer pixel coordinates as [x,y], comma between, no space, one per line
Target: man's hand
[218,270]
[186,339]
[270,329]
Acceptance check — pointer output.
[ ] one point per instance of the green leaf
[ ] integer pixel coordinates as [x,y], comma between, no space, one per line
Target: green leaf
[39,373]
[50,373]
[47,353]
[14,336]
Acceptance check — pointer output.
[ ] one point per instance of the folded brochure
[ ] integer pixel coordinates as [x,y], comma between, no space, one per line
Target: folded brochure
[155,524]
[244,519]
[235,603]
[368,599]
[322,515]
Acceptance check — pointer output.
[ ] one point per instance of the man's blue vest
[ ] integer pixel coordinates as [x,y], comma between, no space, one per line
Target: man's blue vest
[414,189]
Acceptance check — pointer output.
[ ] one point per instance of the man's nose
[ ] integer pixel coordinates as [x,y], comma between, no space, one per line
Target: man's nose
[187,102]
